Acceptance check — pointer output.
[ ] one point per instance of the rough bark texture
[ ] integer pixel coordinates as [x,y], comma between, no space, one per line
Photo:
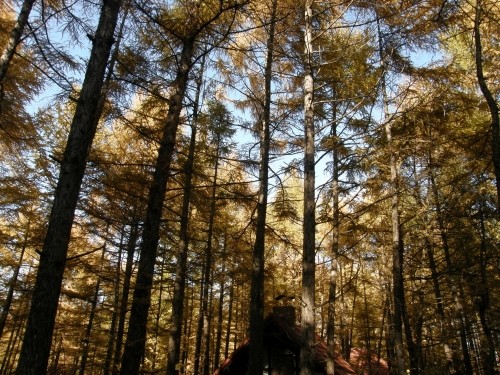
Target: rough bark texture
[38,335]
[136,336]
[256,323]
[309,238]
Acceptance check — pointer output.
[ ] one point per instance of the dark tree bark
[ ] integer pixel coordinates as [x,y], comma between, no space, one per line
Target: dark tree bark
[488,96]
[309,228]
[399,307]
[256,316]
[136,336]
[14,40]
[13,283]
[38,335]
[332,290]
[203,321]
[453,281]
[174,339]
[220,311]
[90,323]
[116,306]
[122,311]
[229,320]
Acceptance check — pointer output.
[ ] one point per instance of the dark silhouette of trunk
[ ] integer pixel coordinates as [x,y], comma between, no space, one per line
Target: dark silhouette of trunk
[157,326]
[88,329]
[229,320]
[488,96]
[123,304]
[220,310]
[332,290]
[399,316]
[306,363]
[256,316]
[116,306]
[482,299]
[136,336]
[207,330]
[203,320]
[38,335]
[174,340]
[465,365]
[199,328]
[14,40]
[13,283]
[188,325]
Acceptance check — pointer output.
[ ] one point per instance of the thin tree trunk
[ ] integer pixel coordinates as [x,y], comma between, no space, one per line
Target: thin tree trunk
[454,283]
[174,340]
[309,238]
[488,96]
[38,336]
[199,327]
[116,306]
[330,333]
[13,283]
[14,40]
[229,320]
[136,337]
[256,316]
[127,278]
[207,330]
[207,272]
[482,303]
[397,242]
[88,329]
[220,311]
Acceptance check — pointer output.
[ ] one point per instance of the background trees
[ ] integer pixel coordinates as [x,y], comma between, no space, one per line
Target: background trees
[206,214]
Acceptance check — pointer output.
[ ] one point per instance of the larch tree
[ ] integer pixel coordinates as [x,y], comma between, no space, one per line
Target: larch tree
[186,30]
[256,316]
[174,341]
[309,225]
[38,336]
[487,11]
[14,40]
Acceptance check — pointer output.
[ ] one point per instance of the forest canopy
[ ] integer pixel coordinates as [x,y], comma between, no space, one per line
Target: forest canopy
[170,171]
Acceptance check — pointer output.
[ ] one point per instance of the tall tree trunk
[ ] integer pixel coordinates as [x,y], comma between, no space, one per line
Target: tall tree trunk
[399,305]
[488,96]
[127,278]
[229,320]
[482,301]
[203,322]
[174,339]
[13,283]
[14,40]
[256,316]
[88,329]
[330,333]
[136,337]
[220,311]
[38,336]
[309,228]
[157,325]
[116,305]
[453,281]
[207,331]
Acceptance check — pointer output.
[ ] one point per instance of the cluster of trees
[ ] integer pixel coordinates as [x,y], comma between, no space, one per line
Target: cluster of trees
[169,167]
